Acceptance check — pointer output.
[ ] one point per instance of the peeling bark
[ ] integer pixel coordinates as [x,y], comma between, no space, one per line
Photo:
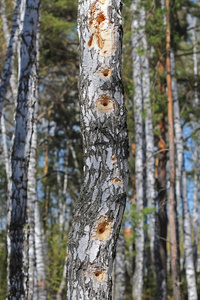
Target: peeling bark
[18,288]
[100,207]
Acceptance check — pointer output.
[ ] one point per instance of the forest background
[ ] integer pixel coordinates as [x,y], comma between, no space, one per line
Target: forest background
[59,148]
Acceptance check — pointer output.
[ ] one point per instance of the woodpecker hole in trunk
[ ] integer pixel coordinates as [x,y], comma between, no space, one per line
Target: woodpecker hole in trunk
[116,180]
[102,229]
[105,104]
[113,159]
[99,275]
[104,72]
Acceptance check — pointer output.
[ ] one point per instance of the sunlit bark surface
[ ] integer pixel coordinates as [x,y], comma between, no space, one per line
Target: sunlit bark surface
[100,207]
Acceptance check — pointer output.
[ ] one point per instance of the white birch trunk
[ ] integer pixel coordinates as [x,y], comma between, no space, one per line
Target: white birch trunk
[37,277]
[189,262]
[5,27]
[60,196]
[5,150]
[149,138]
[195,211]
[136,37]
[119,279]
[100,207]
[18,287]
[31,202]
[62,284]
[9,62]
[8,175]
[40,257]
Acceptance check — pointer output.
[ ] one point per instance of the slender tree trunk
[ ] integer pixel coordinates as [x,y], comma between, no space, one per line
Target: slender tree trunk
[149,139]
[162,214]
[5,27]
[40,258]
[8,67]
[18,288]
[187,233]
[137,34]
[161,188]
[171,199]
[119,283]
[196,174]
[62,284]
[100,207]
[5,150]
[32,199]
[195,211]
[8,175]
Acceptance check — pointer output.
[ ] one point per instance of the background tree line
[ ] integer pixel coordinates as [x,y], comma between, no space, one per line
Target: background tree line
[56,149]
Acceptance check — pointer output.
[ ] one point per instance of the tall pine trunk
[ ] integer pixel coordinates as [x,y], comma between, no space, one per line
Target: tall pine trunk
[181,174]
[171,197]
[100,207]
[18,277]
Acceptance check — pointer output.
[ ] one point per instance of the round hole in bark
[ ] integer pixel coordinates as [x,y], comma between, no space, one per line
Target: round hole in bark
[106,73]
[104,104]
[102,229]
[113,159]
[116,180]
[99,275]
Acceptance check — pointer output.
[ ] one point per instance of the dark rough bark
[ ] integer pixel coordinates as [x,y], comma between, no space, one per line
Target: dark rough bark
[18,283]
[161,260]
[100,207]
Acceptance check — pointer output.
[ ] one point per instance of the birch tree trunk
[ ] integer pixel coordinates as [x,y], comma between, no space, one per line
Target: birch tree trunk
[187,233]
[119,283]
[40,258]
[18,288]
[100,207]
[8,67]
[149,139]
[31,202]
[171,196]
[5,150]
[136,37]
